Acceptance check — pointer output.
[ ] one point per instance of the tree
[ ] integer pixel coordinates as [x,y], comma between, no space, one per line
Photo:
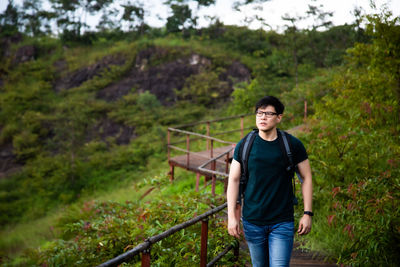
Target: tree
[107,21]
[10,20]
[72,14]
[385,31]
[65,15]
[33,23]
[181,18]
[36,20]
[292,32]
[319,17]
[134,15]
[239,3]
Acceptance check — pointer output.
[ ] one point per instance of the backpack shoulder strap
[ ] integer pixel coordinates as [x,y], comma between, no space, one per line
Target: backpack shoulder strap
[284,140]
[246,146]
[244,152]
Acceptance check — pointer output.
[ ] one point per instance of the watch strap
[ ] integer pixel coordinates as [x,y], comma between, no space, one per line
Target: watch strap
[310,213]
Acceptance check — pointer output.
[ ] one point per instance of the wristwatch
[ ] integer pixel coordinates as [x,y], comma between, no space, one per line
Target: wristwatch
[310,213]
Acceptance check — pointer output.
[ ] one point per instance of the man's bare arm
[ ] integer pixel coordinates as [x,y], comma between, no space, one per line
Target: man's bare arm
[307,191]
[232,196]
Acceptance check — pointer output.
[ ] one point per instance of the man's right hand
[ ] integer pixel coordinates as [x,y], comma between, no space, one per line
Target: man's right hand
[234,228]
[234,222]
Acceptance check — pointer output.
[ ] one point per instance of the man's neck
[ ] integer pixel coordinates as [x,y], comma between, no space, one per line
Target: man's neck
[270,135]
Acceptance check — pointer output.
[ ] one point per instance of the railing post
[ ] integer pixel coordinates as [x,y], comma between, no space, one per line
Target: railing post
[211,150]
[197,181]
[236,254]
[213,167]
[146,258]
[208,134]
[204,240]
[169,143]
[305,109]
[171,172]
[214,180]
[188,149]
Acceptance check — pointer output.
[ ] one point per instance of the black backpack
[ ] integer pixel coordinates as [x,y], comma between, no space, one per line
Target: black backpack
[244,152]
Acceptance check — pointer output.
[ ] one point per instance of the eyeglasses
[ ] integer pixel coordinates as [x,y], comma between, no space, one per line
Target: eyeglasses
[268,114]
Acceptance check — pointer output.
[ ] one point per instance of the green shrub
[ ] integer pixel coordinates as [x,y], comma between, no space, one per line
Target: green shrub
[100,231]
[355,151]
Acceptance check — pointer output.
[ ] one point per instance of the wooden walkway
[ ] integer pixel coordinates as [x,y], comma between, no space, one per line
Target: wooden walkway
[215,155]
[300,258]
[193,160]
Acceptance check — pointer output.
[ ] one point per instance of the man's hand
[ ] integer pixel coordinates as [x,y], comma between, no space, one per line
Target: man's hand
[234,228]
[234,222]
[304,225]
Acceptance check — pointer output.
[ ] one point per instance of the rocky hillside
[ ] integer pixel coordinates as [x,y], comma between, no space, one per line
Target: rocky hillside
[161,71]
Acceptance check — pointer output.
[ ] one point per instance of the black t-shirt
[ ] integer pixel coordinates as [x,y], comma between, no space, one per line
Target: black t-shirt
[268,197]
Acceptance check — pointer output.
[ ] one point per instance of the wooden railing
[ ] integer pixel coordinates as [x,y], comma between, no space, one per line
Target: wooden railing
[208,127]
[145,248]
[208,152]
[213,160]
[210,140]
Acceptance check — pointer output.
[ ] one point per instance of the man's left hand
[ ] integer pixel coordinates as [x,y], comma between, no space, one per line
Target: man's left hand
[304,225]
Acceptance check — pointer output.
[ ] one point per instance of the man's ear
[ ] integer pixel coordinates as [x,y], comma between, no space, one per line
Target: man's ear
[279,117]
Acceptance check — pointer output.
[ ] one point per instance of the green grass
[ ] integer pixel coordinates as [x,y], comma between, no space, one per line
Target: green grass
[95,53]
[15,239]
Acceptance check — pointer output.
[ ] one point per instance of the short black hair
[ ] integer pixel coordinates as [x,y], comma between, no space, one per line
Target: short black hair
[271,101]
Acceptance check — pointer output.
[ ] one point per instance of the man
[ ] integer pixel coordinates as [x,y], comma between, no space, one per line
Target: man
[268,214]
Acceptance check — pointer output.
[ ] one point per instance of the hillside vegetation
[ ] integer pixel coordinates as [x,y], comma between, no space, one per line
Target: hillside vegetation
[79,122]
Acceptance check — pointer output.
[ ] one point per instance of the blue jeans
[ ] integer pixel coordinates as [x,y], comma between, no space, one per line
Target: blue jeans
[275,240]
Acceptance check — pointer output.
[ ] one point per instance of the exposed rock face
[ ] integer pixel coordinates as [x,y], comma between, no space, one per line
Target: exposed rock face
[6,42]
[155,70]
[76,78]
[163,79]
[108,128]
[8,164]
[160,80]
[236,72]
[24,54]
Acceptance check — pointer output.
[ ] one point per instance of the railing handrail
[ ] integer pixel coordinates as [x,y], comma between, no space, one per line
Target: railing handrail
[200,135]
[210,121]
[201,167]
[214,134]
[194,153]
[127,256]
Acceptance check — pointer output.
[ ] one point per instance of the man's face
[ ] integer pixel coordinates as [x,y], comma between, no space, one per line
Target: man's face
[268,120]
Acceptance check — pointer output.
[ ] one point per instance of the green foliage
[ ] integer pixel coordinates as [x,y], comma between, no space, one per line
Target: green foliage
[148,101]
[355,148]
[312,91]
[203,88]
[353,142]
[180,19]
[99,231]
[10,20]
[247,41]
